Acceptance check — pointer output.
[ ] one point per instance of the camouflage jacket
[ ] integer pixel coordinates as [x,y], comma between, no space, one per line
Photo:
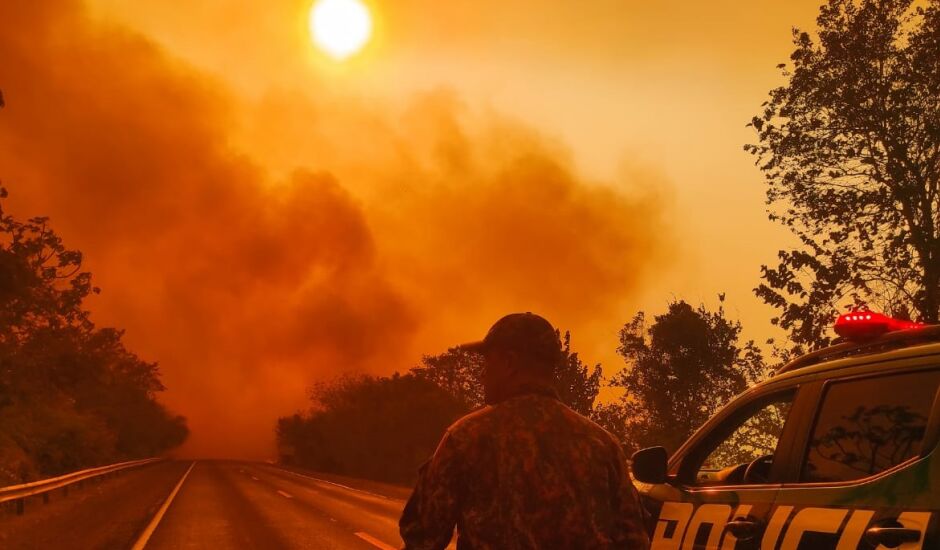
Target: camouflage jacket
[528,473]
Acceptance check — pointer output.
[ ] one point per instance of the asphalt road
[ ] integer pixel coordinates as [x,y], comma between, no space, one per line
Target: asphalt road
[214,505]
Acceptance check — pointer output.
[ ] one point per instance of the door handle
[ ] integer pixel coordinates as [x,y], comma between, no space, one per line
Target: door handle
[891,537]
[744,528]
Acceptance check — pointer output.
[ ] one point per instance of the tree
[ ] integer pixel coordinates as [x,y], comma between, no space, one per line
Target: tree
[577,384]
[679,371]
[41,282]
[456,371]
[850,151]
[401,418]
[41,318]
[870,439]
[459,373]
[71,394]
[355,419]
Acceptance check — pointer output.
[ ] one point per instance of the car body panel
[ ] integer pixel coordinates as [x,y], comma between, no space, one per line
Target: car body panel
[794,515]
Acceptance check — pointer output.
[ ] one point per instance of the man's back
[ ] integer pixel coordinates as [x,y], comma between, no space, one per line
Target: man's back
[526,473]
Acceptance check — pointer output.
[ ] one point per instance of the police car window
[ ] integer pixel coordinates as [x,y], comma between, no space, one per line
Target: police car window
[868,425]
[750,437]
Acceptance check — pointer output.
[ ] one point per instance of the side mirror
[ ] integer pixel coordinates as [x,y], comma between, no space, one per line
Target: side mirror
[650,465]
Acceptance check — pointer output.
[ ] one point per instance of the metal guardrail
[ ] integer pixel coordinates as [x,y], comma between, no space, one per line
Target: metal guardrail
[19,493]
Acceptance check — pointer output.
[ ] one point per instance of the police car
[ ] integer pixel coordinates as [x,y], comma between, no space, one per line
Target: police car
[836,451]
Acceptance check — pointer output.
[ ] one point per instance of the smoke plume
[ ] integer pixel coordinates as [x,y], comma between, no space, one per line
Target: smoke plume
[251,255]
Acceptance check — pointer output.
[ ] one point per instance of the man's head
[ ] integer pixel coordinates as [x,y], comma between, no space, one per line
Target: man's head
[521,351]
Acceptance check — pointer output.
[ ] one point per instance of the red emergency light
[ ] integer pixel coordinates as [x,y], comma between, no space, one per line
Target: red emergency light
[865,325]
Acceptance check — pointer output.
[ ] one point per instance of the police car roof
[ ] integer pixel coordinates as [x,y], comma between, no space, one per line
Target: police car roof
[893,345]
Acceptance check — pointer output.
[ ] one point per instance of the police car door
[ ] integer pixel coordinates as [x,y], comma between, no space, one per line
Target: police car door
[725,479]
[862,475]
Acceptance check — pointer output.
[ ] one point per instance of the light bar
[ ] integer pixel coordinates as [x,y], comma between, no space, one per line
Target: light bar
[865,325]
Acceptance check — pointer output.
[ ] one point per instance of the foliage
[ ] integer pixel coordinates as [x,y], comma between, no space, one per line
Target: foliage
[577,384]
[850,150]
[756,437]
[869,440]
[456,371]
[401,418]
[680,370]
[459,372]
[71,395]
[379,428]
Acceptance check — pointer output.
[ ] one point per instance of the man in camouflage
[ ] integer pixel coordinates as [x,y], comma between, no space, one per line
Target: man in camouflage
[524,472]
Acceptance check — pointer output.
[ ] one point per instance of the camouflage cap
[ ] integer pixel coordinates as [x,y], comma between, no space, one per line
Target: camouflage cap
[526,333]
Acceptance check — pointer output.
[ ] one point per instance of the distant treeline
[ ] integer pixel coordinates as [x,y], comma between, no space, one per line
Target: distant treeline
[383,428]
[71,395]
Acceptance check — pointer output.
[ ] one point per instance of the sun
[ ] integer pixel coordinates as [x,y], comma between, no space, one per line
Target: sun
[340,27]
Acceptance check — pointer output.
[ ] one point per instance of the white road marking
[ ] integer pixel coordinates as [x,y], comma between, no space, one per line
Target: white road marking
[333,520]
[148,532]
[347,487]
[254,478]
[285,495]
[374,541]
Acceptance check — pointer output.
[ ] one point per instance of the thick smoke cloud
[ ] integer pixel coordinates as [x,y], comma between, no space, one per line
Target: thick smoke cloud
[250,263]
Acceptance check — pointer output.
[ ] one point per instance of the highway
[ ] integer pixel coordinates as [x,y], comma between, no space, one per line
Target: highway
[212,504]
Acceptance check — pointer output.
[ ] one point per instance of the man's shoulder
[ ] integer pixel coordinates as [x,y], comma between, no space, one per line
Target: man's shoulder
[551,411]
[471,422]
[589,427]
[484,420]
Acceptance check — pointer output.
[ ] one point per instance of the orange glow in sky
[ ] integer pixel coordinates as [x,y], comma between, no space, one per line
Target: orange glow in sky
[260,217]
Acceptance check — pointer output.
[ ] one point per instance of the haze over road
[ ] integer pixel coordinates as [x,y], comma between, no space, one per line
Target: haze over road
[219,505]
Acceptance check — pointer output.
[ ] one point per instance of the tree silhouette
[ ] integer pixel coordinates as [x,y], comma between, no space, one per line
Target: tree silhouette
[401,418]
[850,150]
[754,438]
[869,440]
[459,372]
[379,428]
[577,384]
[71,394]
[680,370]
[456,371]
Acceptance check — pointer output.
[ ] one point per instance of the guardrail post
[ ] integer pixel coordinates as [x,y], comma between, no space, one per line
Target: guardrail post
[45,498]
[20,506]
[65,491]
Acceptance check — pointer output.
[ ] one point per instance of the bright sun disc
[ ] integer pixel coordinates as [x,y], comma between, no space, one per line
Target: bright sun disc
[340,27]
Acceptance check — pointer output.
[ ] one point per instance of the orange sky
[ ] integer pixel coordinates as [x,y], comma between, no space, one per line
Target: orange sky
[259,216]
